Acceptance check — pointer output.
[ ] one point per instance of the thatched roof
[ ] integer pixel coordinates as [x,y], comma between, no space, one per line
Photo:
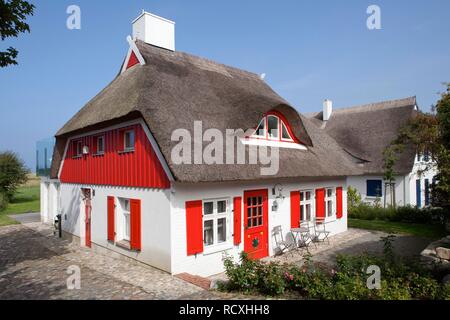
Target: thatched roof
[365,131]
[174,89]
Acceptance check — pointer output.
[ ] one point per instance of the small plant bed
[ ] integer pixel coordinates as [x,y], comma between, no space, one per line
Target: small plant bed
[432,231]
[400,279]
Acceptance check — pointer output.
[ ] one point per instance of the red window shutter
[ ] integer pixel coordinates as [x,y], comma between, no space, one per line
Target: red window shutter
[295,209]
[111,212]
[194,227]
[339,208]
[320,203]
[237,208]
[135,224]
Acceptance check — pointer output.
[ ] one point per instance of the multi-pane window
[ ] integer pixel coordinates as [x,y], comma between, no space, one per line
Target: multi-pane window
[329,202]
[215,221]
[78,148]
[272,127]
[255,211]
[124,220]
[306,203]
[129,140]
[373,188]
[100,144]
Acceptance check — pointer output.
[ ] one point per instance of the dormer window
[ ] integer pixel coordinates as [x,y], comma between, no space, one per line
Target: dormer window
[273,131]
[277,129]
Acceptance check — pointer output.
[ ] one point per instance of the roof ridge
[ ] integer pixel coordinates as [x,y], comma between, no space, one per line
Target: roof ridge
[374,106]
[381,105]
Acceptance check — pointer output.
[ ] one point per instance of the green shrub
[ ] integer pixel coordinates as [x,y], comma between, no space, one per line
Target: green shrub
[401,279]
[366,211]
[242,277]
[3,202]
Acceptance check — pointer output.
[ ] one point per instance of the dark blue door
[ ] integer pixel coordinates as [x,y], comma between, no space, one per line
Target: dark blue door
[427,192]
[418,194]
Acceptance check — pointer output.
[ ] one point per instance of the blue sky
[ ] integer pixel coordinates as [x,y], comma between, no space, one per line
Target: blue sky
[309,50]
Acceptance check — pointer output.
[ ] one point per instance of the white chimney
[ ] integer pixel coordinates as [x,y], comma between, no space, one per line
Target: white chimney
[155,30]
[327,109]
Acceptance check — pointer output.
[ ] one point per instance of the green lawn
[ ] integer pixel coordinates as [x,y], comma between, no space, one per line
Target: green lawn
[27,199]
[416,229]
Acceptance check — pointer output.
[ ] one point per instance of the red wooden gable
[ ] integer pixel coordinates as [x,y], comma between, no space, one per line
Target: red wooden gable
[133,60]
[138,168]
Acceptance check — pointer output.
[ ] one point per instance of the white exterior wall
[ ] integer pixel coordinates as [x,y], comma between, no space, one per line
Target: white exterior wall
[49,196]
[402,193]
[405,186]
[155,220]
[209,263]
[416,174]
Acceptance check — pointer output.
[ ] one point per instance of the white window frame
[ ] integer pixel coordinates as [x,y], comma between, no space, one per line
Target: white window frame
[275,138]
[125,148]
[304,202]
[215,216]
[78,152]
[102,137]
[121,220]
[332,198]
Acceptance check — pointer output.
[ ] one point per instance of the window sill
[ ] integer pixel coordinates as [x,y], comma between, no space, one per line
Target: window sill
[126,151]
[77,157]
[99,154]
[217,248]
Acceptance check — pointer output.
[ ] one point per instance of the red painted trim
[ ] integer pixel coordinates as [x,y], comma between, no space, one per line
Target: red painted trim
[111,217]
[135,224]
[339,203]
[320,203]
[138,168]
[295,209]
[256,235]
[133,60]
[194,227]
[237,210]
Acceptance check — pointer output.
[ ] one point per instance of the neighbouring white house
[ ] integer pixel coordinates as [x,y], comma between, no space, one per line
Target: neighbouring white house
[364,132]
[118,186]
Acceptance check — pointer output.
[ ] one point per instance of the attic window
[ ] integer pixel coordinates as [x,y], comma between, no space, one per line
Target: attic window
[77,149]
[277,129]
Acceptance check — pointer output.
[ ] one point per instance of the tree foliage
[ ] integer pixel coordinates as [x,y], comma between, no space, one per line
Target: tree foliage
[12,22]
[12,173]
[428,133]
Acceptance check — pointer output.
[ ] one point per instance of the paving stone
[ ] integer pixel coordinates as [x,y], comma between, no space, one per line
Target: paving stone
[34,264]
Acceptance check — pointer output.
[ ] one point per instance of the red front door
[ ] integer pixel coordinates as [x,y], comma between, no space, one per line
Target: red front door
[87,215]
[88,209]
[256,222]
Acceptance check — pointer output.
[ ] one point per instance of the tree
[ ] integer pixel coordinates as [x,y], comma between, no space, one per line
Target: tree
[428,133]
[12,173]
[12,22]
